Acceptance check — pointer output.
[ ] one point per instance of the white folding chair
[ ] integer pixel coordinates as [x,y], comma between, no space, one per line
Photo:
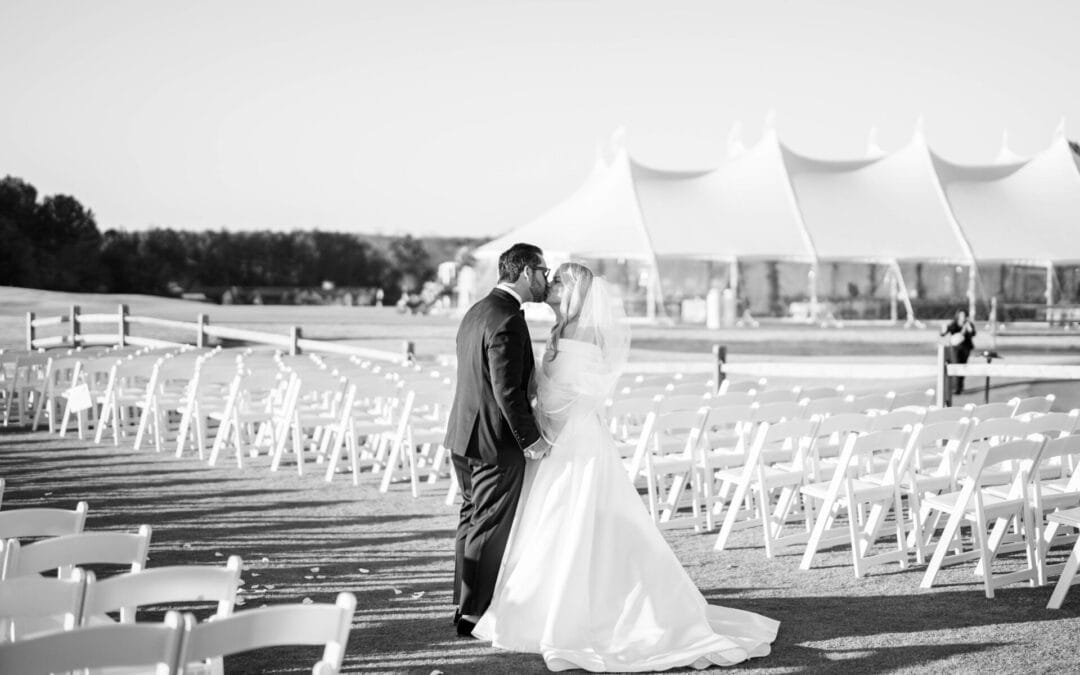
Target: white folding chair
[762,477]
[1032,404]
[935,415]
[725,439]
[897,419]
[166,394]
[847,491]
[928,466]
[313,624]
[989,411]
[729,386]
[155,645]
[916,399]
[1068,518]
[681,403]
[312,409]
[34,605]
[125,395]
[422,425]
[975,505]
[42,522]
[26,386]
[814,393]
[67,551]
[128,592]
[669,467]
[247,422]
[873,403]
[1059,493]
[207,395]
[63,374]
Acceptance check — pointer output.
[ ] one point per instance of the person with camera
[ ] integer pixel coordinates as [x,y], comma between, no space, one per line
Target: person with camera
[958,334]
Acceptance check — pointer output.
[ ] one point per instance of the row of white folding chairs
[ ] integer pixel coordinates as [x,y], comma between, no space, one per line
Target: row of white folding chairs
[31,604]
[33,382]
[789,476]
[723,431]
[180,644]
[316,403]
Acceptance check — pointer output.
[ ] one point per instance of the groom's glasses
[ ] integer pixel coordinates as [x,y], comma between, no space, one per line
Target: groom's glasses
[544,270]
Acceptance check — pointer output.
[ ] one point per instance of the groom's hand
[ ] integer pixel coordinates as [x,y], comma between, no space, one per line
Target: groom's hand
[537,450]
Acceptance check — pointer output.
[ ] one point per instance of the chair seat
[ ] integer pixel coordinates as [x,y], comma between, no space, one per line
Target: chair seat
[863,488]
[724,458]
[992,503]
[1071,517]
[669,463]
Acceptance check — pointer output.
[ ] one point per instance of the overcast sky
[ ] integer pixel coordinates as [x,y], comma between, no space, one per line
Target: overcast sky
[470,117]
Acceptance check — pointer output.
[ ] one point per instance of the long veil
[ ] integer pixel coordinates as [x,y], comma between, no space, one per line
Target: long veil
[603,323]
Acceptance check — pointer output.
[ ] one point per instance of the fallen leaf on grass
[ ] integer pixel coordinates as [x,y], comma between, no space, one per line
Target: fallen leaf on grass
[364,570]
[418,595]
[397,591]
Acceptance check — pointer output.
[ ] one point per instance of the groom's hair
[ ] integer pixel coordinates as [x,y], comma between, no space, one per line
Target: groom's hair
[514,260]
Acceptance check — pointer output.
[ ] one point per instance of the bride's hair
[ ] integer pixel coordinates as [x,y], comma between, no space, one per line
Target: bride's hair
[576,281]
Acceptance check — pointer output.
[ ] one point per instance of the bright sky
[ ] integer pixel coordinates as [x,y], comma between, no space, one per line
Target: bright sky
[471,117]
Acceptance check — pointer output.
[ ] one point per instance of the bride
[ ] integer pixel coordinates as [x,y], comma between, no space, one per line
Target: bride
[588,581]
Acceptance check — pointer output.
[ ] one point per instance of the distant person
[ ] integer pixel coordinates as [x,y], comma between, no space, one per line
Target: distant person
[959,333]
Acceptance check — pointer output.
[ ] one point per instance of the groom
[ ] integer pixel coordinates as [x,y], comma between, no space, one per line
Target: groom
[492,429]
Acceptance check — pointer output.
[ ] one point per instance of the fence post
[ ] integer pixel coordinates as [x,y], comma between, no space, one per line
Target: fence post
[122,328]
[294,340]
[30,331]
[410,351]
[719,358]
[73,318]
[944,391]
[200,331]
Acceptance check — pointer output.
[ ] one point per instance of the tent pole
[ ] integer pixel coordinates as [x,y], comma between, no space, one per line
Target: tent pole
[973,275]
[903,290]
[1049,290]
[894,292]
[814,312]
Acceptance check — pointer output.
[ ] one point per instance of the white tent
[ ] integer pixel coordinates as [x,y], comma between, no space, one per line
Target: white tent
[769,203]
[743,210]
[1022,213]
[601,219]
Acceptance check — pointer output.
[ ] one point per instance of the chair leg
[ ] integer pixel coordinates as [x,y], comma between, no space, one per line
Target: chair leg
[1066,579]
[942,549]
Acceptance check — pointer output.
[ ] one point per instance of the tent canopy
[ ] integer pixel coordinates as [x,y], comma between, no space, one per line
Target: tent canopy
[770,203]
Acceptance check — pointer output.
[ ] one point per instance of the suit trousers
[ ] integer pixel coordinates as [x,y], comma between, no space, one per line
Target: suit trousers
[490,494]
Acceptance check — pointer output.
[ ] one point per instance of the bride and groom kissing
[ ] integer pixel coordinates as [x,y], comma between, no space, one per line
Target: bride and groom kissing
[556,553]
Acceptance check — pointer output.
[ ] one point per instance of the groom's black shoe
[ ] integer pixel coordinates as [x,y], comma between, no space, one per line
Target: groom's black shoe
[465,628]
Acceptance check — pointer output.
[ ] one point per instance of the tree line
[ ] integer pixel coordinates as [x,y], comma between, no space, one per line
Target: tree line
[54,243]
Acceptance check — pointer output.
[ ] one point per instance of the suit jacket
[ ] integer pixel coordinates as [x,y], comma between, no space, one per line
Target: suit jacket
[491,414]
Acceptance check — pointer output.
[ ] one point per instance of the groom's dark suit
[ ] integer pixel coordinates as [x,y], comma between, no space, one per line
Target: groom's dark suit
[491,423]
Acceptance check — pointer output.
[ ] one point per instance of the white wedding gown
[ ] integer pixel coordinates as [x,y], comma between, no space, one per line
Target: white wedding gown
[588,581]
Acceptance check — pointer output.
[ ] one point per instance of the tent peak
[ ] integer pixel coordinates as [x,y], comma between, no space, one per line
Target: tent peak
[919,133]
[873,149]
[607,151]
[1059,132]
[1005,154]
[735,145]
[770,121]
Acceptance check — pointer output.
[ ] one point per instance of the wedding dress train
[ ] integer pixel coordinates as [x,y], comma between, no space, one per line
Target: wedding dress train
[588,581]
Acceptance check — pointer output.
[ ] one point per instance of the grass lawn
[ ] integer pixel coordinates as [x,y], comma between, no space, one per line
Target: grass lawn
[303,538]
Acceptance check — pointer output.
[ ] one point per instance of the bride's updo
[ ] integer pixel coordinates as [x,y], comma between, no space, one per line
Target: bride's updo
[576,279]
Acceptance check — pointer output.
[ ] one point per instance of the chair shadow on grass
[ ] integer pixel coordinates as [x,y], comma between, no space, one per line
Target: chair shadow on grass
[815,618]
